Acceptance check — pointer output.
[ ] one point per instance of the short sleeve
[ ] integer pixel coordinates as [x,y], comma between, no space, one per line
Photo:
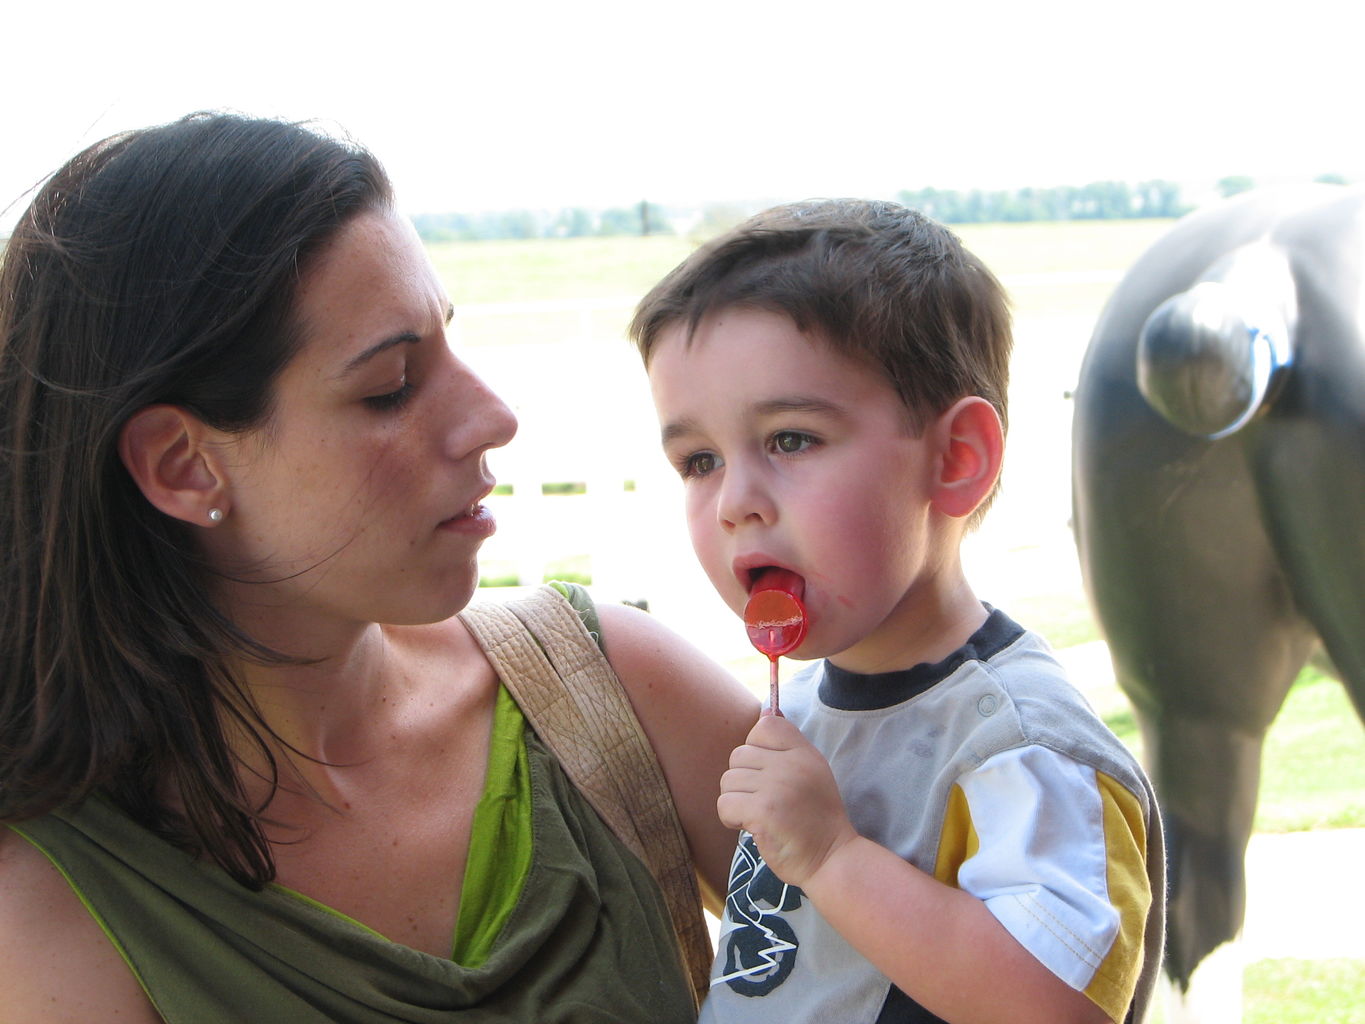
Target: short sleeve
[1057,852]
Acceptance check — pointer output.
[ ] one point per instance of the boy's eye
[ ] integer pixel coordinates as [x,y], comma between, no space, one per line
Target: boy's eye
[698,465]
[789,442]
[391,399]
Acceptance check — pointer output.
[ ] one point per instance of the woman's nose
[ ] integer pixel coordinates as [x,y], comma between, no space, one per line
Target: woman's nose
[482,420]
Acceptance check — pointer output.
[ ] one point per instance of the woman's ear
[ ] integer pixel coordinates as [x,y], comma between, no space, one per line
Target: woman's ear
[970,447]
[164,448]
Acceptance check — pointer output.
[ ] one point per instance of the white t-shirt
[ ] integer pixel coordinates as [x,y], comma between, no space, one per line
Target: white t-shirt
[990,772]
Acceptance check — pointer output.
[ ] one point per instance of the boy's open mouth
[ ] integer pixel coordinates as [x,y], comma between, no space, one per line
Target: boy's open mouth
[770,577]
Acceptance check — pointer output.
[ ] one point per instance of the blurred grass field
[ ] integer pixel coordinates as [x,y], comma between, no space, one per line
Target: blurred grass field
[544,270]
[1059,276]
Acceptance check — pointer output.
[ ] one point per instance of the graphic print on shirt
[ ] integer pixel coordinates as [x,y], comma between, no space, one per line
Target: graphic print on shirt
[758,948]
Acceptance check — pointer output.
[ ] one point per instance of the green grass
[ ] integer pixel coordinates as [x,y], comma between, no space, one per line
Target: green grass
[551,270]
[542,270]
[1295,992]
[1014,252]
[571,569]
[1314,774]
[1044,248]
[1064,619]
[545,270]
[1304,992]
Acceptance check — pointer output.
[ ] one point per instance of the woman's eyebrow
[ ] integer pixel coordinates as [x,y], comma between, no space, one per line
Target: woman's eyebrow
[355,363]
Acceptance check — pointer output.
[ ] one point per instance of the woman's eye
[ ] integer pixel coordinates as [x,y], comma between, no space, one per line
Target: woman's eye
[789,442]
[698,465]
[391,399]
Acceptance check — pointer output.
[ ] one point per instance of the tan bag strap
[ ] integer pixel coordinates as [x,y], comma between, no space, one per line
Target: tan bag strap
[557,673]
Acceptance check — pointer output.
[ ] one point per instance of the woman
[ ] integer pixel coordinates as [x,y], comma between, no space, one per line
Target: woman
[241,477]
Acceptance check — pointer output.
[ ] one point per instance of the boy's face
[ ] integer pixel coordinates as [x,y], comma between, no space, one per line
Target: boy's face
[795,456]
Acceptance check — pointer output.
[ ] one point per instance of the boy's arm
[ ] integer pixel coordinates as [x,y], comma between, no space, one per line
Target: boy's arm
[938,944]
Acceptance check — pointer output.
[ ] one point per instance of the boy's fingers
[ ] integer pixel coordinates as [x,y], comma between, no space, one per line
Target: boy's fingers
[751,758]
[729,813]
[774,732]
[739,779]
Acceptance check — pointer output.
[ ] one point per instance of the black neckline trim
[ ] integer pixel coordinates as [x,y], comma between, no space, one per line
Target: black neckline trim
[853,691]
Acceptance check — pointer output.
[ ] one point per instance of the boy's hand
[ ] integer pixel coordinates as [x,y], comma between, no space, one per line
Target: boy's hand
[780,789]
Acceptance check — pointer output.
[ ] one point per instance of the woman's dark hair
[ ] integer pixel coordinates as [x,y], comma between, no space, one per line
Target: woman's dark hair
[156,266]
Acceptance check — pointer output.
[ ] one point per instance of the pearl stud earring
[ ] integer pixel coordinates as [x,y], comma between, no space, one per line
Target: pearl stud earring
[215,515]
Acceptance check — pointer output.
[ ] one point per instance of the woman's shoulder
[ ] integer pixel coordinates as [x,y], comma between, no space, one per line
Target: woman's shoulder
[60,966]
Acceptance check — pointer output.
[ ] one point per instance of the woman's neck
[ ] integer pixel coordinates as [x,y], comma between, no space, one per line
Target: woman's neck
[335,703]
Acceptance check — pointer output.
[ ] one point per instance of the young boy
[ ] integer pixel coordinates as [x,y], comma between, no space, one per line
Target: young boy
[939,828]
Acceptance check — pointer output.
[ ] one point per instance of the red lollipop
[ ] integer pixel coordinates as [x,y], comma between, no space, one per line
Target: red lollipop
[775,618]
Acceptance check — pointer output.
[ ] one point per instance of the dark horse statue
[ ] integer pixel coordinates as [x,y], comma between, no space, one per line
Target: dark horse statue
[1219,493]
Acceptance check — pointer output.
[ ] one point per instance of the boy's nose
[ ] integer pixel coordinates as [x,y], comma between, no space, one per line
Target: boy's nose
[744,500]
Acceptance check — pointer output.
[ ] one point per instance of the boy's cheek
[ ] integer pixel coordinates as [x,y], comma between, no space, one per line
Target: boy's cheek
[706,539]
[710,545]
[715,562]
[727,587]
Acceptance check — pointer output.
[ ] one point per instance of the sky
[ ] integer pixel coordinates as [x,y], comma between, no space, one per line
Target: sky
[540,105]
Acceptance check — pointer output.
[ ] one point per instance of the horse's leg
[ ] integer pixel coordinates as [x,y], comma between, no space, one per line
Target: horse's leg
[1205,764]
[1206,639]
[1311,478]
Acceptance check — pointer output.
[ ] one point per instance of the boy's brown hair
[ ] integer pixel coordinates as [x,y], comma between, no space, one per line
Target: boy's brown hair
[877,281]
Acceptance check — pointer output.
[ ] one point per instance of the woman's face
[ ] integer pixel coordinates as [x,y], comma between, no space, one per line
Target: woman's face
[359,500]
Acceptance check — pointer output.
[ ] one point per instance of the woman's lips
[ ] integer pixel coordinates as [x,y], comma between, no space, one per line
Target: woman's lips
[476,520]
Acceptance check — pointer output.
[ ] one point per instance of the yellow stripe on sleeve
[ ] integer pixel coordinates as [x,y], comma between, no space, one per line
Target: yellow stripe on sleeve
[958,842]
[1130,893]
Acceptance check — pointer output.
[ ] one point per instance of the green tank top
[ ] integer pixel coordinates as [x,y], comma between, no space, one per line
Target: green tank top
[560,923]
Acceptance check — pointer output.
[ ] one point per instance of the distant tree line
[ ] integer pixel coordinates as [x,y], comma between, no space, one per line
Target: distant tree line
[1100,200]
[644,218]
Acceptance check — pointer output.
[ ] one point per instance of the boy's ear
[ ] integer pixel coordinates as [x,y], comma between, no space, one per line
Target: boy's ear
[164,449]
[970,447]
